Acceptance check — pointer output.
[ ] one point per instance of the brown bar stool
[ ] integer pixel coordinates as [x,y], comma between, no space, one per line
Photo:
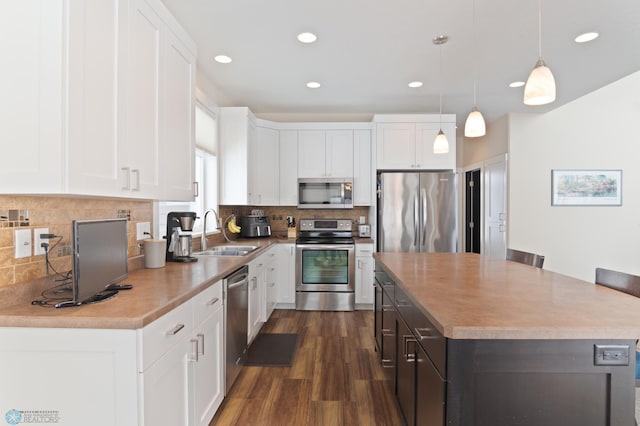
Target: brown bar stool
[625,283]
[525,257]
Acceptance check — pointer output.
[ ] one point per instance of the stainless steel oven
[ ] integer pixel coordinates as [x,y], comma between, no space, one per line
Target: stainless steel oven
[325,265]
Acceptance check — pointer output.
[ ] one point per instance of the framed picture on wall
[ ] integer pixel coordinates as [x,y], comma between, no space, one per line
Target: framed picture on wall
[586,187]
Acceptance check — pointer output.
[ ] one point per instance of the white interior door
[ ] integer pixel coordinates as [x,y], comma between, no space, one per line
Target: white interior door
[495,207]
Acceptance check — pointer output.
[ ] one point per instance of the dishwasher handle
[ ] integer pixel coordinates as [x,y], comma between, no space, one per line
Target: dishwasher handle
[244,281]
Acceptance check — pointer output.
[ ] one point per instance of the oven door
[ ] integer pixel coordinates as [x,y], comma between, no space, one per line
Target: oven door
[325,267]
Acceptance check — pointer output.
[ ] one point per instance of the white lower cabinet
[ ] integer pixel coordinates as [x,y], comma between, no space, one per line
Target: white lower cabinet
[364,275]
[286,284]
[271,278]
[257,281]
[170,372]
[206,366]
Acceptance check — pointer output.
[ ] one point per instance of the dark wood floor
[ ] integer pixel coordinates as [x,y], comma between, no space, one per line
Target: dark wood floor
[335,378]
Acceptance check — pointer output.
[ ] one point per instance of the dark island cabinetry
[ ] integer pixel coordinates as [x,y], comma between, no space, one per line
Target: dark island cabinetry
[492,381]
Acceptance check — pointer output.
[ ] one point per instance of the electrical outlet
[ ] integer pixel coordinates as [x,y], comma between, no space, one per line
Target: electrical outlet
[141,228]
[23,243]
[37,241]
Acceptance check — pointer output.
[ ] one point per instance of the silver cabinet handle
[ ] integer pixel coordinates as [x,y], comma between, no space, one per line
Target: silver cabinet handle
[127,170]
[196,189]
[193,356]
[213,301]
[200,346]
[402,303]
[408,356]
[387,308]
[425,333]
[175,330]
[137,173]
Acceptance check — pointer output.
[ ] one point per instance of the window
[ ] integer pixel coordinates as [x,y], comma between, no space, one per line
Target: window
[206,164]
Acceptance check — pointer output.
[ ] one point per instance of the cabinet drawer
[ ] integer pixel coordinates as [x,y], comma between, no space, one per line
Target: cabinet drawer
[162,334]
[385,281]
[403,304]
[207,302]
[433,343]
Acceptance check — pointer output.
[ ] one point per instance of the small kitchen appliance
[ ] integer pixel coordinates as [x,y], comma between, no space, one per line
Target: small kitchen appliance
[364,231]
[179,227]
[254,226]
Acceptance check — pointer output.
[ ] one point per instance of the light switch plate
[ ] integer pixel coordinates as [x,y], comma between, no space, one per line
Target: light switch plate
[37,241]
[23,243]
[141,228]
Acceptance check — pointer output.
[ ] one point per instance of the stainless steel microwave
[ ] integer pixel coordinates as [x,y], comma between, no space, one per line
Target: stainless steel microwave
[325,193]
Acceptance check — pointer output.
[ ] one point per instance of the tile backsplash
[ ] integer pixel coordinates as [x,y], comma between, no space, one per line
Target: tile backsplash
[56,213]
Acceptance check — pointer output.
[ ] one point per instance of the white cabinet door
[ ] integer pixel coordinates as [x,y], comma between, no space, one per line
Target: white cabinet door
[237,133]
[206,376]
[257,296]
[396,145]
[288,168]
[141,150]
[271,274]
[96,38]
[339,153]
[425,136]
[286,284]
[85,376]
[264,167]
[178,123]
[363,183]
[311,153]
[165,389]
[31,42]
[364,274]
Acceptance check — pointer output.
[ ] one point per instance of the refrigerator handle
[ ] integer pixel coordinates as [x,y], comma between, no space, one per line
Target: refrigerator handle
[423,215]
[416,223]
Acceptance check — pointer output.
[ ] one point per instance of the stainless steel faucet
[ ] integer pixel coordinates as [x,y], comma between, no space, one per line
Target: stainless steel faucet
[203,238]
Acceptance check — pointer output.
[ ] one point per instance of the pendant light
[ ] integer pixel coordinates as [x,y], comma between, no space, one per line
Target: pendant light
[474,126]
[541,86]
[440,144]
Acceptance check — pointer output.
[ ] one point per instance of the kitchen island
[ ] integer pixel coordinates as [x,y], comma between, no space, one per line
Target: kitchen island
[472,340]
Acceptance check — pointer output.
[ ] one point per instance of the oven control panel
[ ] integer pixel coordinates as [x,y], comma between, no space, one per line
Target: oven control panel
[325,224]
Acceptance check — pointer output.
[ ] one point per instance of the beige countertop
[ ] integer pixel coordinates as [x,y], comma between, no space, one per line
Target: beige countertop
[155,292]
[469,296]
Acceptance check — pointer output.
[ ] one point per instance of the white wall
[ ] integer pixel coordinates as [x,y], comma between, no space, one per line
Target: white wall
[476,150]
[597,131]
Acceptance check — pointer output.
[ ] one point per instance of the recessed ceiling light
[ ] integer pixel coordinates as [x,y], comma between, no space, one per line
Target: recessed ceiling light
[586,37]
[307,37]
[313,85]
[415,84]
[516,84]
[223,59]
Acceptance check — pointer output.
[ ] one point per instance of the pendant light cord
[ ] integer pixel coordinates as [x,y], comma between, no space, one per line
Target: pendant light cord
[473,46]
[440,86]
[539,29]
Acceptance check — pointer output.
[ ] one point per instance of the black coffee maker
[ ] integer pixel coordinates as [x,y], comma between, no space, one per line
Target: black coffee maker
[179,239]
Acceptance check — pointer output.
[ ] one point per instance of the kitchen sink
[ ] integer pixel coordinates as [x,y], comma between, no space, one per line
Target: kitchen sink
[226,250]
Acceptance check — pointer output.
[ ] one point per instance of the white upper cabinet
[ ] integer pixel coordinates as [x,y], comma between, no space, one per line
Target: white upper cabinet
[363,183]
[325,153]
[31,141]
[288,168]
[96,95]
[179,120]
[406,142]
[237,133]
[264,167]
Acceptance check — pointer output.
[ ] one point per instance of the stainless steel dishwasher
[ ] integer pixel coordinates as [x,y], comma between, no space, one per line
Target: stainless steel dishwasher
[236,318]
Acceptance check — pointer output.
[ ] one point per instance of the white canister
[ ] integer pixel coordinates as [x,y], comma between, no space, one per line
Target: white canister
[155,252]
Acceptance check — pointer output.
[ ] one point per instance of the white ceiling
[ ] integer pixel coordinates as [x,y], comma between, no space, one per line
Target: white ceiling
[369,50]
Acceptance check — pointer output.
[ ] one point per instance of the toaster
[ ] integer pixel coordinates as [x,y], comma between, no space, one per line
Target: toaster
[255,226]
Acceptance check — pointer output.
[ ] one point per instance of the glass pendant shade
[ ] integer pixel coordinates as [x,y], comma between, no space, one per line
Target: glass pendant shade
[541,86]
[441,144]
[474,126]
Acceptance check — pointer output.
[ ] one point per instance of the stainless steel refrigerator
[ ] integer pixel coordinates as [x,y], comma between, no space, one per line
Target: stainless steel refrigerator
[418,212]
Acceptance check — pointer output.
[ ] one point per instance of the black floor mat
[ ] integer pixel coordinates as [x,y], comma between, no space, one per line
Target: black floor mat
[272,350]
